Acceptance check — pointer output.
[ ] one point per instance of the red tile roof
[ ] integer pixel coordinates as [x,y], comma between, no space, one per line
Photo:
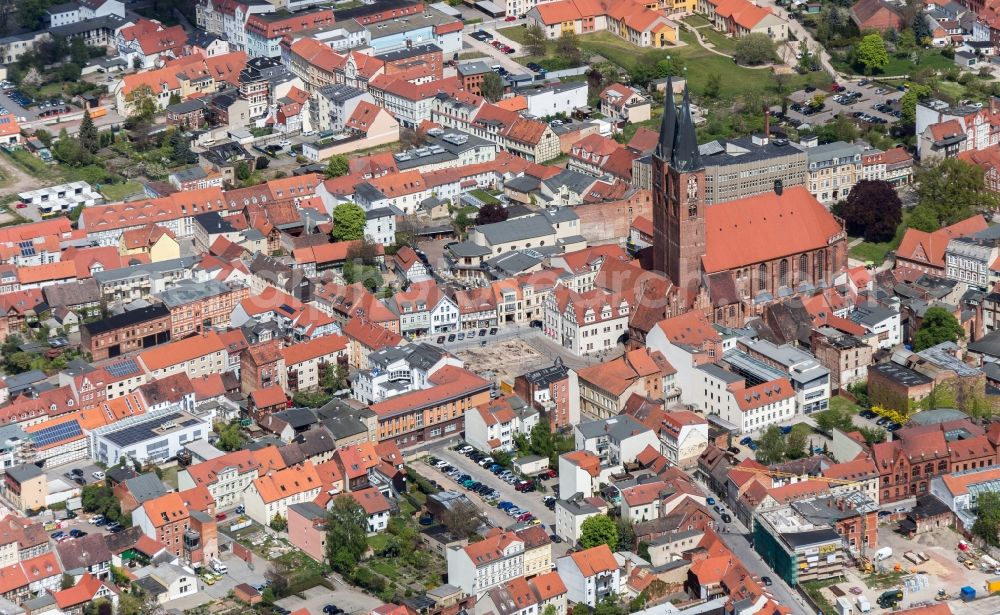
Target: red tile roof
[595,560]
[766,227]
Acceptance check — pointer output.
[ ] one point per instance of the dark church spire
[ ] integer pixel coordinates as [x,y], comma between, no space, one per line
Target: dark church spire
[684,157]
[668,125]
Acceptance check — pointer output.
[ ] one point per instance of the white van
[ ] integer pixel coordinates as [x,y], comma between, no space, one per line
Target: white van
[219,567]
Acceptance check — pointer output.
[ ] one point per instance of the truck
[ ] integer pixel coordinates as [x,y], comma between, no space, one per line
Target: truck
[890,598]
[993,585]
[968,593]
[844,606]
[863,605]
[911,556]
[883,554]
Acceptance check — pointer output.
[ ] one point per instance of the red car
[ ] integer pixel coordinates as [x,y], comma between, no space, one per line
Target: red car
[220,517]
[511,18]
[21,205]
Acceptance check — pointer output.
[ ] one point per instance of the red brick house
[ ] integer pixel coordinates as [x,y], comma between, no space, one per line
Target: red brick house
[876,15]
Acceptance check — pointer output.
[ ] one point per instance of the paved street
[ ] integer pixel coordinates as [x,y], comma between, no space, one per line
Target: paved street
[531,502]
[737,538]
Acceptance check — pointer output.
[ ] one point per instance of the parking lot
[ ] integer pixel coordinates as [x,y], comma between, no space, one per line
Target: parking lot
[347,598]
[19,105]
[532,501]
[879,101]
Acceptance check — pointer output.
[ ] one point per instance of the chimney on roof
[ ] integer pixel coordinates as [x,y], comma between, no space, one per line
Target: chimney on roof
[779,187]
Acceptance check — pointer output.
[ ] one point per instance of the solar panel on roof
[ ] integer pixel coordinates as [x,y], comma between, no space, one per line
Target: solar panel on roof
[124,368]
[27,248]
[57,433]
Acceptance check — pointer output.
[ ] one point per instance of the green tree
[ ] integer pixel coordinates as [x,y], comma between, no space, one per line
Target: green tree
[755,48]
[948,192]
[598,530]
[872,435]
[180,149]
[535,42]
[832,418]
[337,166]
[67,581]
[141,103]
[30,13]
[310,399]
[796,444]
[278,523]
[871,53]
[230,436]
[243,171]
[908,102]
[492,87]
[771,447]
[89,138]
[713,87]
[872,210]
[348,222]
[626,535]
[369,276]
[987,524]
[568,48]
[939,325]
[346,533]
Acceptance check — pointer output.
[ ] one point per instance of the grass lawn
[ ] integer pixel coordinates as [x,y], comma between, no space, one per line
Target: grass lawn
[170,476]
[378,542]
[697,21]
[812,588]
[471,55]
[876,252]
[843,404]
[720,41]
[701,64]
[930,58]
[484,196]
[117,192]
[514,33]
[29,163]
[385,569]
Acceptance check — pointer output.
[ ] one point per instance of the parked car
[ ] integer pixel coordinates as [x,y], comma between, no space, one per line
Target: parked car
[766,581]
[98,475]
[221,516]
[710,501]
[726,518]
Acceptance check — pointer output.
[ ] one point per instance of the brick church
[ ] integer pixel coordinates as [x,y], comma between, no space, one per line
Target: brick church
[732,258]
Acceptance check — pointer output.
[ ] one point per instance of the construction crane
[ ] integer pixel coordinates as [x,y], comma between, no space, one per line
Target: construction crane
[866,564]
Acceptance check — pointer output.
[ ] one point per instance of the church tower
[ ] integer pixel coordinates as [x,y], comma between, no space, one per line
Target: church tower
[679,200]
